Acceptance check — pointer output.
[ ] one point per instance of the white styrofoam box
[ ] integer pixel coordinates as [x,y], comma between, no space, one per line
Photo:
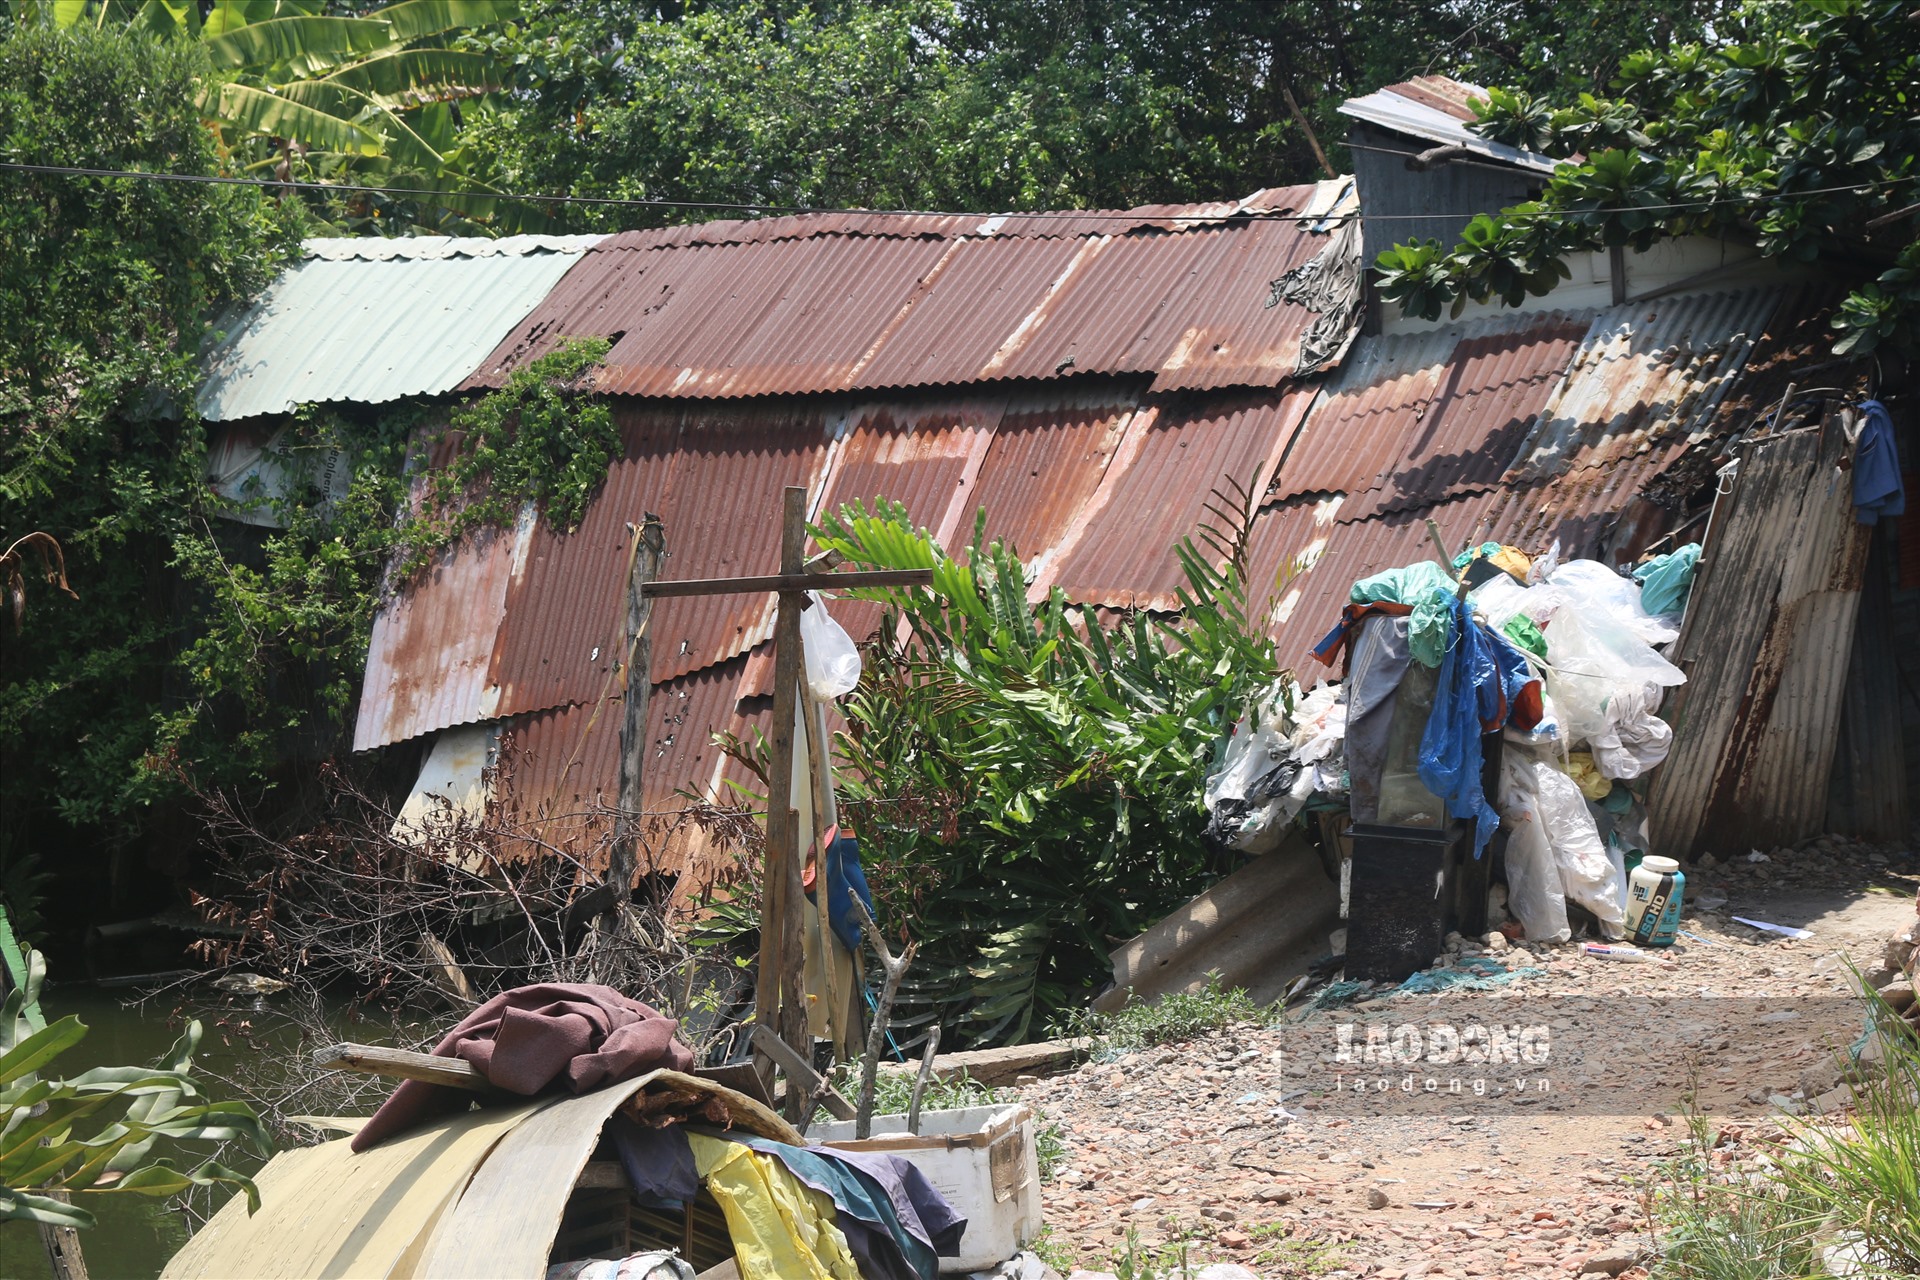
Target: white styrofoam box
[982,1159]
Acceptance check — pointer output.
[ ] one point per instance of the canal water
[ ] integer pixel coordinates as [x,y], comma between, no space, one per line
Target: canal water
[246,1038]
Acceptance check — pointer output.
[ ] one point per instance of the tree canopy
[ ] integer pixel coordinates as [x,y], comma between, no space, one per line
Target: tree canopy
[107,286]
[1798,129]
[960,104]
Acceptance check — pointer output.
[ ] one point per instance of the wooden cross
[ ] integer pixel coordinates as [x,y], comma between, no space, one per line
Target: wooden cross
[779,996]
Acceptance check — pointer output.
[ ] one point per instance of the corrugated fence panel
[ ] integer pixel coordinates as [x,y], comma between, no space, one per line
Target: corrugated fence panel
[1765,534]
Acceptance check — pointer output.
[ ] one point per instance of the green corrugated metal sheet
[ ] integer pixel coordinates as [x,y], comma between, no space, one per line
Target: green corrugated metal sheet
[375,320]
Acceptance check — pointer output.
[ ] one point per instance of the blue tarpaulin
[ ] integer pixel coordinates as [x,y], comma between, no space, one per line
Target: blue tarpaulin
[1482,678]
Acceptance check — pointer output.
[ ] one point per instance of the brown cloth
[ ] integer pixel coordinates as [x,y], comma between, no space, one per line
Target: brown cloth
[524,1041]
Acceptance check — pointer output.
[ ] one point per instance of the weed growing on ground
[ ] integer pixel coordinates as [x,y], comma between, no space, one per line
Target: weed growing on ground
[1831,1189]
[1175,1017]
[1285,1256]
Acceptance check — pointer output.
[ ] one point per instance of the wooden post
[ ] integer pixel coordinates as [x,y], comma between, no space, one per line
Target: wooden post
[780,993]
[780,996]
[895,969]
[636,678]
[63,1247]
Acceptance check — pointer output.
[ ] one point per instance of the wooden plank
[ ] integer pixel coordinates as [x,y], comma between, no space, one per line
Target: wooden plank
[649,545]
[780,998]
[1002,1066]
[402,1064]
[794,580]
[801,1076]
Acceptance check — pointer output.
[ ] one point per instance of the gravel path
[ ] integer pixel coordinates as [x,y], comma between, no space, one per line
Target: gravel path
[1241,1144]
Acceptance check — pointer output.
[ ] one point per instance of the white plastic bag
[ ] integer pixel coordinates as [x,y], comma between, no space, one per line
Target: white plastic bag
[1588,875]
[832,659]
[1592,659]
[1634,739]
[1534,895]
[1592,584]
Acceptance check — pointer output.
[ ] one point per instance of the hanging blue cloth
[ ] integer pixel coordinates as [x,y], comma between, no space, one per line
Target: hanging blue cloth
[1877,490]
[1483,679]
[844,874]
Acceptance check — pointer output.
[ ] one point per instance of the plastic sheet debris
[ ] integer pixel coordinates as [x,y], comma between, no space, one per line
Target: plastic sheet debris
[1472,974]
[1260,783]
[1784,930]
[1590,873]
[1534,893]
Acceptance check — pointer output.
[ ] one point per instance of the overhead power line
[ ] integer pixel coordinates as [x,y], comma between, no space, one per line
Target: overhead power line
[78,171]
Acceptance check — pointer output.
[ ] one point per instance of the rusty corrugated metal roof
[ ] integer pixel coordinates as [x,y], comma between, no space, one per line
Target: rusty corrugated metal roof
[1047,458]
[559,769]
[429,662]
[1436,108]
[1156,489]
[1390,401]
[1647,374]
[532,621]
[839,302]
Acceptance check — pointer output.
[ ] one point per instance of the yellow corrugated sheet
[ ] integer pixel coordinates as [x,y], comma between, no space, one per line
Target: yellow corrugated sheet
[328,1214]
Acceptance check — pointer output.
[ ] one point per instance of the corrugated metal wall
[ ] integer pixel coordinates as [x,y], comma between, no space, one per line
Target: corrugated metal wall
[1768,632]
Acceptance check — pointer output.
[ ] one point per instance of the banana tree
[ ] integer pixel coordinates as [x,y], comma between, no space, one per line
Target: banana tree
[94,1132]
[297,93]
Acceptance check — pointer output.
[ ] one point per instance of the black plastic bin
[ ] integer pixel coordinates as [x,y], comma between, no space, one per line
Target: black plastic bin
[1411,885]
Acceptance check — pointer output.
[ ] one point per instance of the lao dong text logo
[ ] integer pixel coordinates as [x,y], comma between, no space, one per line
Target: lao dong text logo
[1426,1048]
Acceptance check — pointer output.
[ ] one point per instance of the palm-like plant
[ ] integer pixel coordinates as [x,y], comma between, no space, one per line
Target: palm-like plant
[1027,782]
[295,92]
[96,1131]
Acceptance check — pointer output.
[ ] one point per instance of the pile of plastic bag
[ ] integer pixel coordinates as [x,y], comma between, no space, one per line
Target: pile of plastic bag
[1284,750]
[1563,658]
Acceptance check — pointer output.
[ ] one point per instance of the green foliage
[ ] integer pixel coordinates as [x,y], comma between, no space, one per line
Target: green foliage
[1026,782]
[313,95]
[106,289]
[283,622]
[200,650]
[544,437]
[1171,1019]
[1797,130]
[966,104]
[94,1133]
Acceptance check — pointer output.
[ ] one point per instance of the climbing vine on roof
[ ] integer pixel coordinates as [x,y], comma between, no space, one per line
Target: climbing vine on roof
[1798,131]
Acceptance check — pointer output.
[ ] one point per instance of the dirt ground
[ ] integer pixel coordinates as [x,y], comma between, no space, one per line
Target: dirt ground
[1247,1145]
